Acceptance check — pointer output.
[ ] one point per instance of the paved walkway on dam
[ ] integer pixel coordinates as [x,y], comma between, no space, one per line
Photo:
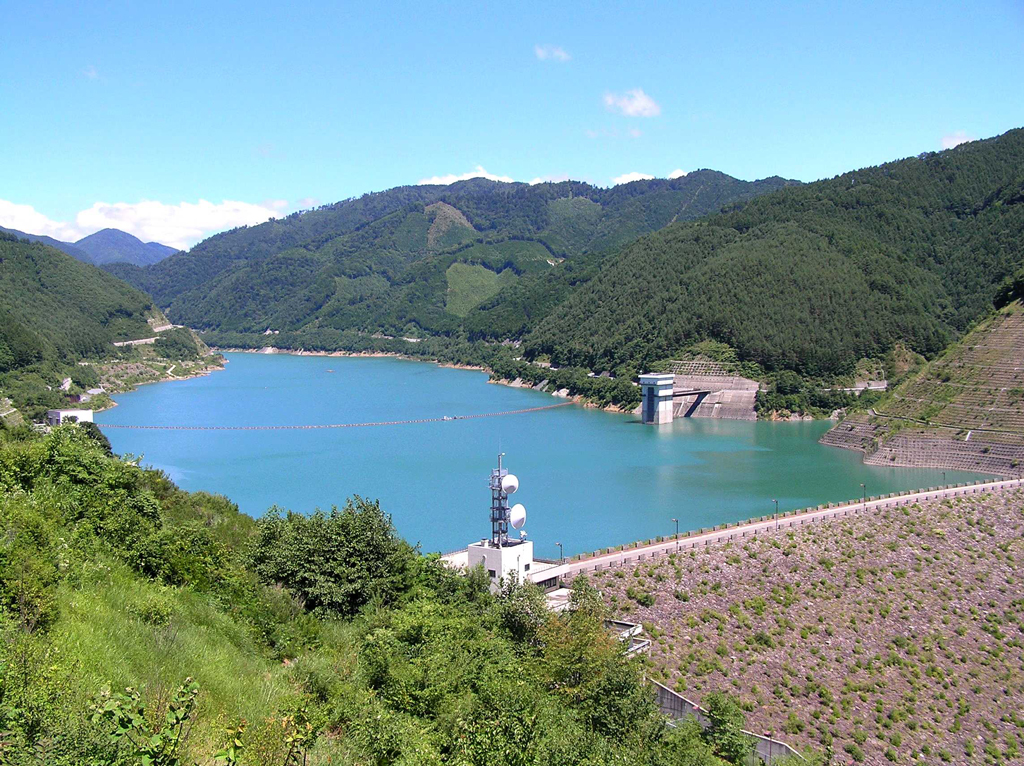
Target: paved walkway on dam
[752,528]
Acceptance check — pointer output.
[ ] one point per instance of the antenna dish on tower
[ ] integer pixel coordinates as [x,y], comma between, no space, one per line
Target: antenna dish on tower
[509,483]
[517,516]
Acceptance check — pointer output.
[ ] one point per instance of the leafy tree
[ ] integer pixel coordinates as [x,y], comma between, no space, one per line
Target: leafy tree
[334,562]
[725,727]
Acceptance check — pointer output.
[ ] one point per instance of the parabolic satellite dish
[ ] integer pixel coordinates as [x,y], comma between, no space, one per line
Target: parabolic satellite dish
[517,516]
[509,483]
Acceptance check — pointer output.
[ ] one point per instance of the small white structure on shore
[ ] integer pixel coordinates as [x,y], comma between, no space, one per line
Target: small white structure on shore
[59,417]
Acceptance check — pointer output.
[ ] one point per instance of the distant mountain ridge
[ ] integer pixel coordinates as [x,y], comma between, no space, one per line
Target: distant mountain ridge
[116,246]
[808,278]
[420,260]
[105,246]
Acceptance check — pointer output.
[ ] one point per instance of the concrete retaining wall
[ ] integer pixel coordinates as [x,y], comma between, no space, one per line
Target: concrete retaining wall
[677,707]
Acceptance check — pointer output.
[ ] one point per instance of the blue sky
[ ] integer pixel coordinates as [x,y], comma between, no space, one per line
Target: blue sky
[174,120]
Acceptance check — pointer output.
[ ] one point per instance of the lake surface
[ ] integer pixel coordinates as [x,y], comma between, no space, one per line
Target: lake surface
[587,478]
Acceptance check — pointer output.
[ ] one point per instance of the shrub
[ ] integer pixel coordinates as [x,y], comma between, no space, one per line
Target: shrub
[334,562]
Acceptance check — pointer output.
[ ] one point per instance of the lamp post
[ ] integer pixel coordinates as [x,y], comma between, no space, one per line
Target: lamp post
[776,514]
[943,479]
[561,557]
[863,497]
[677,534]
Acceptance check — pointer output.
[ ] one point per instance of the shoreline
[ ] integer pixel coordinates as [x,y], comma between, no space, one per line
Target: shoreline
[164,378]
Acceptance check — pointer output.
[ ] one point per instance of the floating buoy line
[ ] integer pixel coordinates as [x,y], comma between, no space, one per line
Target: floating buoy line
[444,419]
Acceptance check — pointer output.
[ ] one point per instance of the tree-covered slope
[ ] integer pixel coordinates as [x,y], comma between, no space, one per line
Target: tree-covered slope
[381,263]
[815,277]
[53,307]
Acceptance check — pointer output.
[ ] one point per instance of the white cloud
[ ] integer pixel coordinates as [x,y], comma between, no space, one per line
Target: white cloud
[625,178]
[180,225]
[677,173]
[27,219]
[451,178]
[955,139]
[632,103]
[90,72]
[551,52]
[635,133]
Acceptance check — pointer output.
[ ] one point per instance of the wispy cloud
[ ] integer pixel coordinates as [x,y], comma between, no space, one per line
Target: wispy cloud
[180,225]
[632,103]
[551,53]
[90,72]
[956,138]
[677,173]
[451,178]
[635,132]
[625,178]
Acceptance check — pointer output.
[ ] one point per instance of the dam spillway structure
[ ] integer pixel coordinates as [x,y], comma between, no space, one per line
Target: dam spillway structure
[657,389]
[503,556]
[697,388]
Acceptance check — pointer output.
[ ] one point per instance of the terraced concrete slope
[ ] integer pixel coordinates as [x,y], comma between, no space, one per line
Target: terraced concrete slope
[964,410]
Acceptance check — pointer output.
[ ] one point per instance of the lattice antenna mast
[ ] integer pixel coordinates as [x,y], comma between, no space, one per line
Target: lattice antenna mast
[499,506]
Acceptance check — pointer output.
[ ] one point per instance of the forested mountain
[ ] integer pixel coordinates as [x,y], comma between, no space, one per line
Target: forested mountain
[53,307]
[416,260]
[812,278]
[105,246]
[116,246]
[809,278]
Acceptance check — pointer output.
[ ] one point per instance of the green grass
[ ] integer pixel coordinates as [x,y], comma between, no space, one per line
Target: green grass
[117,630]
[471,284]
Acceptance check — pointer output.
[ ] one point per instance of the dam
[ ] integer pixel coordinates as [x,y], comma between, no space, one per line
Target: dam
[699,388]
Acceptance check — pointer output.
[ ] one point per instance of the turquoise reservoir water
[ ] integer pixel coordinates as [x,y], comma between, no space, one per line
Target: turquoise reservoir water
[588,478]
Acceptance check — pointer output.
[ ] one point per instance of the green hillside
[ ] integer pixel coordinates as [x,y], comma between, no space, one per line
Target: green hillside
[56,308]
[963,410]
[379,263]
[815,277]
[144,624]
[59,320]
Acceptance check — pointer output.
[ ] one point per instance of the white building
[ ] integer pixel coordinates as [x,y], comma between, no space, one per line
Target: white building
[514,559]
[58,417]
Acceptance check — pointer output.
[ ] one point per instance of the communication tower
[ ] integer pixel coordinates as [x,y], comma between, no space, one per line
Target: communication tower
[503,556]
[502,485]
